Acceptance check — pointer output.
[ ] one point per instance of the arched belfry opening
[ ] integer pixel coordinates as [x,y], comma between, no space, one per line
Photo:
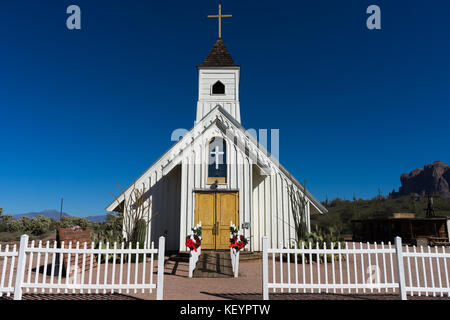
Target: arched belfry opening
[218,88]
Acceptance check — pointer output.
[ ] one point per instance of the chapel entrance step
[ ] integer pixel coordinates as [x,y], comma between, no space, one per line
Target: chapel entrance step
[214,264]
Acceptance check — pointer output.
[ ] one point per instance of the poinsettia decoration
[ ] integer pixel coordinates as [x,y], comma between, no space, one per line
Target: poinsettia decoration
[194,240]
[237,241]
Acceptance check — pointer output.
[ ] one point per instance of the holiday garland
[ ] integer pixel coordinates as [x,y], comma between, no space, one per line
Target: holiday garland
[194,240]
[237,242]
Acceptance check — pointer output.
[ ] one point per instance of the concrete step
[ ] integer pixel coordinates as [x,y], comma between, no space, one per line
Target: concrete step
[179,257]
[214,264]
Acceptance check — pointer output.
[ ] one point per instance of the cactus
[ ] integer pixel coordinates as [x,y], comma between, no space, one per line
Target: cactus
[140,231]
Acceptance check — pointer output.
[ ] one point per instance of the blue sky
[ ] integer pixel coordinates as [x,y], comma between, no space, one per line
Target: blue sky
[81,110]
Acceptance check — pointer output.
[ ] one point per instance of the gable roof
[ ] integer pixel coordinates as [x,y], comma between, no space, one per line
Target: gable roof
[219,56]
[173,151]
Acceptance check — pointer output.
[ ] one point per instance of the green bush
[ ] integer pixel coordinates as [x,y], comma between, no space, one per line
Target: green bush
[68,222]
[40,225]
[15,225]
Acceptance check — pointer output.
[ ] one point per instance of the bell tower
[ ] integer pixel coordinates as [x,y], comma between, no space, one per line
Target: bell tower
[218,79]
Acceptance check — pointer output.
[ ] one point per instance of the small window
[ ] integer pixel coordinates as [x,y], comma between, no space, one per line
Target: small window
[218,88]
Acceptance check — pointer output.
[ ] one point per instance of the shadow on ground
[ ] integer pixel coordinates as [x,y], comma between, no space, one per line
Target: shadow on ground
[317,296]
[70,296]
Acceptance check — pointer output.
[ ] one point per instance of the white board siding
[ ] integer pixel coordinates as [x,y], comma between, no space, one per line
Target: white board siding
[232,107]
[256,198]
[273,215]
[208,101]
[240,184]
[277,225]
[249,233]
[207,80]
[286,221]
[191,177]
[183,211]
[266,205]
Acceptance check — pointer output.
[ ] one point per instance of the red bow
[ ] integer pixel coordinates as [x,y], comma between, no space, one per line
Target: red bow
[191,244]
[237,245]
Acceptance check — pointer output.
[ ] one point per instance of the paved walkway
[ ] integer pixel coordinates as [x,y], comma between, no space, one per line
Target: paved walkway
[177,285]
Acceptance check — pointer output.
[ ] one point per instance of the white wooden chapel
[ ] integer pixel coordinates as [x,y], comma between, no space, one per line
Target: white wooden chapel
[217,173]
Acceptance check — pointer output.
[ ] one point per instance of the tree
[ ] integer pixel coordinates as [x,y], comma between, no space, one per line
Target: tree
[136,206]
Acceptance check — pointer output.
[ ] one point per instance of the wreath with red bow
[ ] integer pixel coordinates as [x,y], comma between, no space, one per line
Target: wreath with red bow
[194,241]
[237,242]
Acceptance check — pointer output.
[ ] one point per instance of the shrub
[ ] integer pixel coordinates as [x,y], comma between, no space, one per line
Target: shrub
[68,222]
[15,225]
[40,225]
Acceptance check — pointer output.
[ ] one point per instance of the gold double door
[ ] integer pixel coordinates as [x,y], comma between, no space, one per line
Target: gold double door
[215,210]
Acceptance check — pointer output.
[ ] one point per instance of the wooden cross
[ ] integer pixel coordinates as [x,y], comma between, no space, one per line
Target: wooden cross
[220,16]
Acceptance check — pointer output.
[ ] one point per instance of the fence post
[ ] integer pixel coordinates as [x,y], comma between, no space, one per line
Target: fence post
[265,271]
[160,285]
[236,264]
[191,264]
[400,268]
[20,267]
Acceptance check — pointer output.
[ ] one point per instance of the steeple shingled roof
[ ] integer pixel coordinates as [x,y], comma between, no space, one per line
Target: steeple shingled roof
[218,56]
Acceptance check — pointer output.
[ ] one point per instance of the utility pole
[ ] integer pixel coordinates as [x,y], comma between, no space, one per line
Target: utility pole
[60,214]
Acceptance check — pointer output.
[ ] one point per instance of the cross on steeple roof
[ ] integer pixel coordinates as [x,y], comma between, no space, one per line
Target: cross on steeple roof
[219,17]
[219,55]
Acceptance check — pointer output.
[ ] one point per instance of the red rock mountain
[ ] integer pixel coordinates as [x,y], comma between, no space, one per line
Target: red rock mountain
[433,178]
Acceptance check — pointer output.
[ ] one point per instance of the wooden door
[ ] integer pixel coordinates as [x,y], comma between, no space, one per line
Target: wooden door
[227,205]
[205,211]
[216,210]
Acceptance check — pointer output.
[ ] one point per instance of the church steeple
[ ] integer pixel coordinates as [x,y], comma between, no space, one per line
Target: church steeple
[218,56]
[218,77]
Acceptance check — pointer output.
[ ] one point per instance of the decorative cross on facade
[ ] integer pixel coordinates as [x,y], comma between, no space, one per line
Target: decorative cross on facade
[216,153]
[220,16]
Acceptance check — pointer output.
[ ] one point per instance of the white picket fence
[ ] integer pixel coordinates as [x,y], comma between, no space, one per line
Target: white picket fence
[40,268]
[420,275]
[9,256]
[371,268]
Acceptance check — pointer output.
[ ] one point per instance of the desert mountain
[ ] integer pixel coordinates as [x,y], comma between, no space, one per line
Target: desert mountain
[433,178]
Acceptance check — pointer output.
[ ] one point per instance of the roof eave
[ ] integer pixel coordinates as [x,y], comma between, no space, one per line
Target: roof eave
[218,67]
